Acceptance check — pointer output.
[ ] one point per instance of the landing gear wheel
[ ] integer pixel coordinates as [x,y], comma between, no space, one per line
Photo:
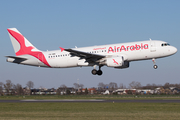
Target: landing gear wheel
[155,66]
[99,72]
[94,71]
[154,62]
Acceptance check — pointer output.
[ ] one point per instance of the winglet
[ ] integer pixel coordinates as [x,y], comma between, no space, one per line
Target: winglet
[62,49]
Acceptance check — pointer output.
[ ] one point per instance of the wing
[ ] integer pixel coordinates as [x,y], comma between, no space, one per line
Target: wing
[90,57]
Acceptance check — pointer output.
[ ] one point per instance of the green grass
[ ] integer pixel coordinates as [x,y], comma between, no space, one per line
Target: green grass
[91,97]
[89,111]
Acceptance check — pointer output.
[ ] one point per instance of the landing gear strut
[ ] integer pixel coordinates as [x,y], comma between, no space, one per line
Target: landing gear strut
[154,62]
[97,72]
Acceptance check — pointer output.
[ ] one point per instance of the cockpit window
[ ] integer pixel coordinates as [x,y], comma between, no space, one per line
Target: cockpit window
[165,44]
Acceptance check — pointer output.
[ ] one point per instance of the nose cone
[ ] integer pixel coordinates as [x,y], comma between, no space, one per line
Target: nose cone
[173,50]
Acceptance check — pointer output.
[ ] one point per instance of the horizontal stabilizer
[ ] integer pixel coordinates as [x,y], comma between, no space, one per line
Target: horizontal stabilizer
[15,57]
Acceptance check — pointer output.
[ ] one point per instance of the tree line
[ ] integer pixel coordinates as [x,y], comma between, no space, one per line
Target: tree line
[9,86]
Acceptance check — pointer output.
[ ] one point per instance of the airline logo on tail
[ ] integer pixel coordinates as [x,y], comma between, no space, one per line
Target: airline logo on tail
[25,47]
[21,40]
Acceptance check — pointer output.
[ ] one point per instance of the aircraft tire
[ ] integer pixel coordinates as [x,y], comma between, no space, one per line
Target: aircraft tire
[155,66]
[99,72]
[94,71]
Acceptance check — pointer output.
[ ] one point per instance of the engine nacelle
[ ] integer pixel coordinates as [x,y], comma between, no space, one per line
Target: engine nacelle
[125,65]
[115,61]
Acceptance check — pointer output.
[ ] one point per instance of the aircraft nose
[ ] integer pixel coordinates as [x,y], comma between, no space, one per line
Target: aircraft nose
[174,50]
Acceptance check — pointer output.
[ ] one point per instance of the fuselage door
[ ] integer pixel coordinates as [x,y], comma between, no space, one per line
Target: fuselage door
[152,46]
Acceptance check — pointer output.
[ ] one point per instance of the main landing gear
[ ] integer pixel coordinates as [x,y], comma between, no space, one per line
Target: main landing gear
[154,62]
[97,72]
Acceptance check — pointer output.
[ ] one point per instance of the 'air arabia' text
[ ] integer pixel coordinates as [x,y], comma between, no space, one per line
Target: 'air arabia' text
[126,48]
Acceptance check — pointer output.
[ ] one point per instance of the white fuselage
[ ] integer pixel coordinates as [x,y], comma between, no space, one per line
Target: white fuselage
[113,55]
[132,51]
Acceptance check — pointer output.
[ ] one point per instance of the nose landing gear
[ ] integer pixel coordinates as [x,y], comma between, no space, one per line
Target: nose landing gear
[97,72]
[155,66]
[154,62]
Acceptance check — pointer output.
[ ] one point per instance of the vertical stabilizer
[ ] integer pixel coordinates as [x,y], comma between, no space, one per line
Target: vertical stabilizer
[20,44]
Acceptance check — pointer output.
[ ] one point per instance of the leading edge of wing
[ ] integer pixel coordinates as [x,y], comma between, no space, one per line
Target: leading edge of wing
[84,54]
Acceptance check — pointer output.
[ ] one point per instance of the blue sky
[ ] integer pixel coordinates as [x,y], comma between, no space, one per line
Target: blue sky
[49,25]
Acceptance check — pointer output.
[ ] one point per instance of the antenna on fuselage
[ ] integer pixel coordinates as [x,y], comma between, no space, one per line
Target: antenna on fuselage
[150,39]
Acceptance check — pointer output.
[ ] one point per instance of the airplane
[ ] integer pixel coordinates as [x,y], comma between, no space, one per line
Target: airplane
[113,55]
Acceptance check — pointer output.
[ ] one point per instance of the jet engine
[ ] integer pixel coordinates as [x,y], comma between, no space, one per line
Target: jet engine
[125,65]
[117,62]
